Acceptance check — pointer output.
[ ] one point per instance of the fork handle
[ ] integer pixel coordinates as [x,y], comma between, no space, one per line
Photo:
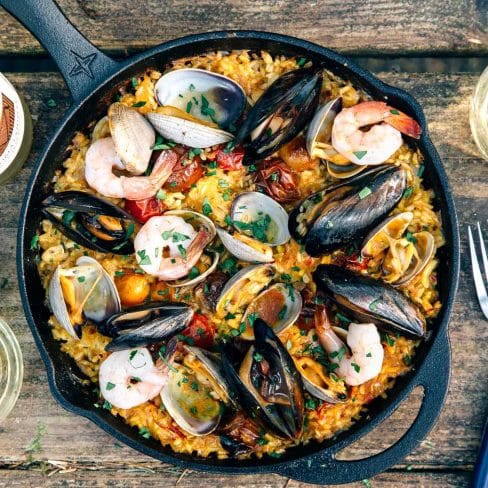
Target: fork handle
[480,475]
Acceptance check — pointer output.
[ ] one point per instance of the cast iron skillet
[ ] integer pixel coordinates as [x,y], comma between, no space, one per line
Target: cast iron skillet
[93,77]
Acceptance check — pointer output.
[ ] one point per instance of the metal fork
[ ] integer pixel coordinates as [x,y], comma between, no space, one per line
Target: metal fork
[477,275]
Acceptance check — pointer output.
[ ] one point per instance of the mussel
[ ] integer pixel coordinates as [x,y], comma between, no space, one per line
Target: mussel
[146,324]
[85,291]
[90,221]
[281,113]
[343,213]
[370,300]
[267,383]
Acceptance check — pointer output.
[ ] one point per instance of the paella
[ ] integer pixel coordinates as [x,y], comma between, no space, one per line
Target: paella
[241,255]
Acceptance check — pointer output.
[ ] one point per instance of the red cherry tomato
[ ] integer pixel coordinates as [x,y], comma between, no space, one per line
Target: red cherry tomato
[230,161]
[143,210]
[200,331]
[183,177]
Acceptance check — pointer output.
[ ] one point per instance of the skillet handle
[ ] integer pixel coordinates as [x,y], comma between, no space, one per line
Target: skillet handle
[82,65]
[433,375]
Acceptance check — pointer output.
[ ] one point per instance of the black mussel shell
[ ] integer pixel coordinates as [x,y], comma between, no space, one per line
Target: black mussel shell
[334,217]
[234,447]
[146,324]
[281,113]
[370,300]
[89,221]
[282,407]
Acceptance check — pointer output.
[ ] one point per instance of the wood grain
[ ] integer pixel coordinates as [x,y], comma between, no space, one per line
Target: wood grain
[349,26]
[75,452]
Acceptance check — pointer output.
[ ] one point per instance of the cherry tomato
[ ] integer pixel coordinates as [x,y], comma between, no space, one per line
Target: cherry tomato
[230,161]
[184,176]
[277,180]
[200,331]
[143,210]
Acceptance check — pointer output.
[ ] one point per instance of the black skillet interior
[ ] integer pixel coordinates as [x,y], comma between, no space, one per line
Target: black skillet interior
[312,463]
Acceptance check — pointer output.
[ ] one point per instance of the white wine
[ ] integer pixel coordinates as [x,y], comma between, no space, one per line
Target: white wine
[15,130]
[478,116]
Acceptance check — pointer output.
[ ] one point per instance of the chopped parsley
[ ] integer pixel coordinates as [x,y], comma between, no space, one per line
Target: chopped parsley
[144,432]
[110,386]
[257,228]
[360,154]
[81,279]
[251,318]
[407,359]
[135,82]
[282,313]
[411,238]
[364,192]
[408,192]
[356,367]
[288,344]
[139,104]
[206,207]
[34,245]
[161,194]
[374,304]
[394,111]
[188,107]
[182,251]
[130,230]
[420,171]
[68,216]
[144,258]
[301,62]
[193,273]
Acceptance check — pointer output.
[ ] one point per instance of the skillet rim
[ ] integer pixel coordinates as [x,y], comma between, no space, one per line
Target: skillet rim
[451,232]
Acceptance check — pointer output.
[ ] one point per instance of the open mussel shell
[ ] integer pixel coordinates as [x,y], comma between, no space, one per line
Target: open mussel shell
[378,239]
[203,94]
[178,126]
[210,366]
[279,306]
[196,220]
[329,219]
[425,246]
[313,378]
[267,383]
[261,217]
[145,324]
[320,128]
[85,291]
[190,403]
[241,289]
[281,113]
[245,248]
[370,300]
[133,137]
[89,221]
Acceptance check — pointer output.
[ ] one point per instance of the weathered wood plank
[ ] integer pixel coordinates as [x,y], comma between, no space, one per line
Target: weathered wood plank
[383,26]
[138,477]
[73,440]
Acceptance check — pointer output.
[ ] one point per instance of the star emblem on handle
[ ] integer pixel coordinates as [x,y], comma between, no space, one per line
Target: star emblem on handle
[83,64]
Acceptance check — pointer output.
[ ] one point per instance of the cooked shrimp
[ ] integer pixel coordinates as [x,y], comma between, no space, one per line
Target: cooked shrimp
[168,247]
[365,360]
[377,144]
[129,378]
[100,160]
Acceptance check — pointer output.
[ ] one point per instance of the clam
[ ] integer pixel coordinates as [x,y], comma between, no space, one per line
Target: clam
[267,383]
[281,113]
[320,129]
[278,305]
[315,382]
[423,250]
[331,218]
[380,237]
[245,248]
[209,366]
[370,300]
[90,221]
[85,291]
[260,217]
[146,324]
[178,126]
[133,137]
[204,95]
[197,220]
[241,289]
[190,402]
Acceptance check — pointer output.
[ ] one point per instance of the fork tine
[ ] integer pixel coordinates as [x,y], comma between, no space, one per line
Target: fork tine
[483,252]
[478,278]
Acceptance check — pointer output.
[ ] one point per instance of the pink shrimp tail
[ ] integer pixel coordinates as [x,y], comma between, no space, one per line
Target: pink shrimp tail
[402,122]
[163,167]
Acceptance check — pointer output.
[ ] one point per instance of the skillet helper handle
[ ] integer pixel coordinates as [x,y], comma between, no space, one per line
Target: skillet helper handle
[434,376]
[82,65]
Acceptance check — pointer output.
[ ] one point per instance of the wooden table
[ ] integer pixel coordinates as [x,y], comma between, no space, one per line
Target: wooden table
[72,451]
